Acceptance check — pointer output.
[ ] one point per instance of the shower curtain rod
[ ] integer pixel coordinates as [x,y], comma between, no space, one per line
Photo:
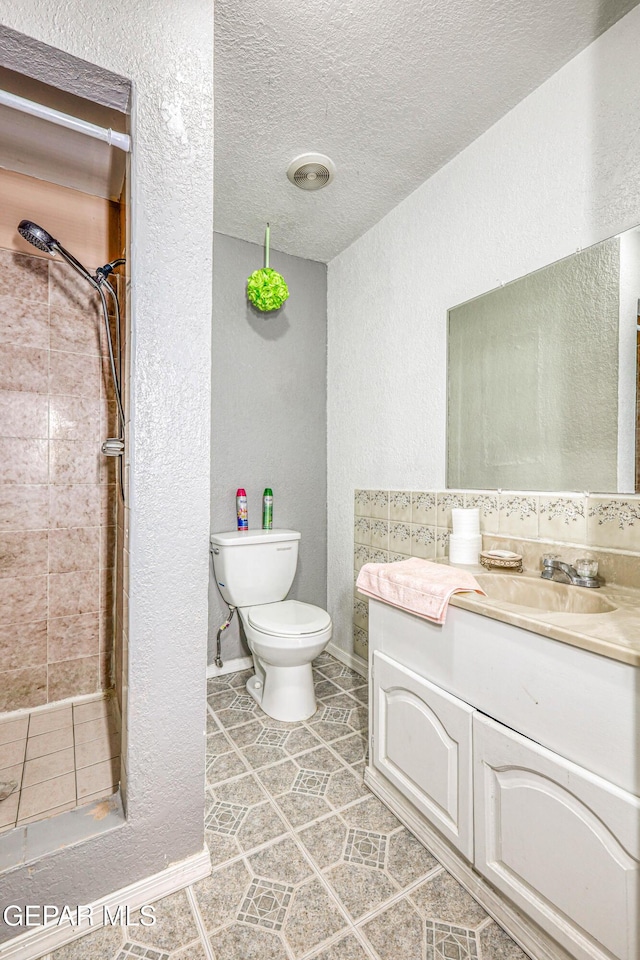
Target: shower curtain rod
[112,137]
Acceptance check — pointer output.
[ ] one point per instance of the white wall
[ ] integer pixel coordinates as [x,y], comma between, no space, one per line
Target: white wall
[166,48]
[560,171]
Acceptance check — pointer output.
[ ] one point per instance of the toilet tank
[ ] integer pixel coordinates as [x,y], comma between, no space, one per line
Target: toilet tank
[254,566]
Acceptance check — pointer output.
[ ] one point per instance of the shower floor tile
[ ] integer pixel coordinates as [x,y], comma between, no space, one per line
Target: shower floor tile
[58,758]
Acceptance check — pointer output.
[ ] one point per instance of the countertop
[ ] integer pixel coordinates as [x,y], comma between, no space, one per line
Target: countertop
[615,634]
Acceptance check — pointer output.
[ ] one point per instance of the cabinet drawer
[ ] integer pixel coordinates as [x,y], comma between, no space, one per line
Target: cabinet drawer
[422,744]
[560,842]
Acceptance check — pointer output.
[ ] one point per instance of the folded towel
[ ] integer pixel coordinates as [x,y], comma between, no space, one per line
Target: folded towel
[419,586]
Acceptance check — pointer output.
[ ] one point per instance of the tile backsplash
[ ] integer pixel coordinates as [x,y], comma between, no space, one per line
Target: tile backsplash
[393,525]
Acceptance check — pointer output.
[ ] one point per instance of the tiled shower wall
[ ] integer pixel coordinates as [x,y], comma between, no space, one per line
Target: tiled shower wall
[396,524]
[57,492]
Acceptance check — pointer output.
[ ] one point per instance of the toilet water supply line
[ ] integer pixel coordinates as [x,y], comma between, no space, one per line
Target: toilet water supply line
[221,630]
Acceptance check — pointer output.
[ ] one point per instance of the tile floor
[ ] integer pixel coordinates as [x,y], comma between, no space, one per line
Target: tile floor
[306,862]
[59,758]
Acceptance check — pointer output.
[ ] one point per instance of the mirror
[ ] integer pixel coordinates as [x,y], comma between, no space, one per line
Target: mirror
[542,377]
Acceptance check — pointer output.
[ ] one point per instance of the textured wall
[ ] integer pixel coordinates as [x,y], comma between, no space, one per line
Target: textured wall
[268,424]
[165,47]
[558,172]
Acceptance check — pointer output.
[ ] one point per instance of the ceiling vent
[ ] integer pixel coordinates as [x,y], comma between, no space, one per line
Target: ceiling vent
[311,171]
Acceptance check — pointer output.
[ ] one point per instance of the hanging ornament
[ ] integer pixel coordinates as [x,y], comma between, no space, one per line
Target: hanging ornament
[266,289]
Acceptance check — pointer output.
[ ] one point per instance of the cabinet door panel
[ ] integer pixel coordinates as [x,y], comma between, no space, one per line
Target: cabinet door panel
[561,842]
[422,744]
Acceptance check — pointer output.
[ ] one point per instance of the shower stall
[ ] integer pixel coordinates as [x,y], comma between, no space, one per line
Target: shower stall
[63,465]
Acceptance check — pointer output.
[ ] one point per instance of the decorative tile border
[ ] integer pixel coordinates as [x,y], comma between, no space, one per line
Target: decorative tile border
[394,525]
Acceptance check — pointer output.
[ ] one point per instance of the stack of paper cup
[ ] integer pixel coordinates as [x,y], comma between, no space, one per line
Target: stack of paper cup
[465,542]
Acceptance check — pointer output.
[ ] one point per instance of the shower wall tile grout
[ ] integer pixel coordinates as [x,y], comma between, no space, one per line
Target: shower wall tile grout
[57,496]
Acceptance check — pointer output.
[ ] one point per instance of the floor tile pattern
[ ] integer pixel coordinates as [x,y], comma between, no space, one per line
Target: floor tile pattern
[57,758]
[307,863]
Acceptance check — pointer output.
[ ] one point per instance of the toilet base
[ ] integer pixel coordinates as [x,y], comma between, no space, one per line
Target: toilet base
[284,693]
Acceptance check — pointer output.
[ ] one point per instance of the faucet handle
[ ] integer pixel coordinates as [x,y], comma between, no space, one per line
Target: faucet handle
[549,559]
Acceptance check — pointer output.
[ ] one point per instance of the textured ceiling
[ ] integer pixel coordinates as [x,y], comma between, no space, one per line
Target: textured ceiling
[389,89]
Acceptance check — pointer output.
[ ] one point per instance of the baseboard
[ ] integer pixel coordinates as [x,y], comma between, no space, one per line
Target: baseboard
[230,666]
[42,940]
[526,934]
[349,659]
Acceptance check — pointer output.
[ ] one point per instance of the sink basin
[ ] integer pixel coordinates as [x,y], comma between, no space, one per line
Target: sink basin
[543,595]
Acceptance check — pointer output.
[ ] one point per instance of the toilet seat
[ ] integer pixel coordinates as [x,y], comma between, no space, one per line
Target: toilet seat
[289,618]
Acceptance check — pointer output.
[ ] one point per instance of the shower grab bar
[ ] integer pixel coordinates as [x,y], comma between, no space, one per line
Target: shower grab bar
[112,137]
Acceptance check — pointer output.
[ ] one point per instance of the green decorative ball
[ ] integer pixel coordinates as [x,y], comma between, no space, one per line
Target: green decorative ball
[266,289]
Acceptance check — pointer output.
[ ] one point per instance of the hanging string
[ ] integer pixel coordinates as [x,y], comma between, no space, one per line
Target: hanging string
[266,248]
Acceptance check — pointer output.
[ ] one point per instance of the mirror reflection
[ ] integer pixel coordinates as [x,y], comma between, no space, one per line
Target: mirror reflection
[542,377]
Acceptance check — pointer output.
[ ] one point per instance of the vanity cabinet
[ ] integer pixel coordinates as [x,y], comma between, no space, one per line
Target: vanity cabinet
[422,743]
[550,847]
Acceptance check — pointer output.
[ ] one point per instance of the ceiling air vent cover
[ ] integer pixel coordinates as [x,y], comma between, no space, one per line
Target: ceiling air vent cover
[311,171]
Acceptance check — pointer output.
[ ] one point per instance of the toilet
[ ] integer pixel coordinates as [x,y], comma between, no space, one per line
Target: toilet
[254,570]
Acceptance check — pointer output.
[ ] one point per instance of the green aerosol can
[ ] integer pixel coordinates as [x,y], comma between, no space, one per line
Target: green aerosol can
[267,509]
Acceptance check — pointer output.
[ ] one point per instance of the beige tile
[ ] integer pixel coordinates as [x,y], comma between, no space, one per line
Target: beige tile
[22,368]
[397,932]
[24,277]
[379,504]
[98,777]
[23,553]
[62,808]
[47,743]
[96,729]
[361,503]
[72,678]
[614,522]
[72,594]
[83,712]
[400,505]
[9,810]
[24,461]
[74,418]
[518,515]
[72,638]
[44,721]
[12,753]
[24,414]
[23,688]
[75,548]
[423,541]
[487,504]
[423,507]
[23,599]
[446,501]
[14,729]
[563,519]
[95,751]
[24,507]
[75,329]
[101,794]
[49,795]
[75,505]
[72,374]
[23,645]
[362,530]
[442,898]
[400,538]
[107,546]
[24,323]
[379,534]
[74,462]
[48,767]
[109,423]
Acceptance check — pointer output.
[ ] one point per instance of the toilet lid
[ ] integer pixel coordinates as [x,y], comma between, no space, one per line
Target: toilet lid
[289,618]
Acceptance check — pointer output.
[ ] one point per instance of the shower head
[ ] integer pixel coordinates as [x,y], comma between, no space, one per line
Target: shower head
[37,236]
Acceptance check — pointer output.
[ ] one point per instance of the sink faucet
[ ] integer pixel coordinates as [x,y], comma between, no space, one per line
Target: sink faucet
[551,567]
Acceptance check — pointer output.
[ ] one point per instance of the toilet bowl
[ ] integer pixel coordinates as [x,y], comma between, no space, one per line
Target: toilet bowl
[254,571]
[284,638]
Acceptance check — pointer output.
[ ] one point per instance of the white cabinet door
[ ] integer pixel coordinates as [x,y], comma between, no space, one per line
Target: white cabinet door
[560,842]
[422,744]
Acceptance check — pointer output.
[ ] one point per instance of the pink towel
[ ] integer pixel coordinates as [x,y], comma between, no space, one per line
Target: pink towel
[419,586]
